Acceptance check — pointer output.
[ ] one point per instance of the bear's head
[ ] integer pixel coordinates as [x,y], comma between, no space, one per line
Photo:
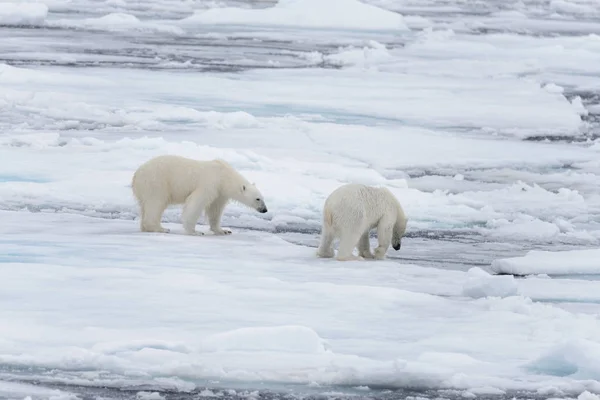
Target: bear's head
[398,232]
[251,197]
[396,241]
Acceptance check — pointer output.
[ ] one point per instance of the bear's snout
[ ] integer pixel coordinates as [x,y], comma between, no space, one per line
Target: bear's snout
[397,246]
[262,210]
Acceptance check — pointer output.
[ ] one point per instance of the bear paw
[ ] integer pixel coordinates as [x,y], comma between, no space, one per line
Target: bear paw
[195,233]
[160,229]
[350,258]
[325,253]
[222,232]
[367,254]
[379,253]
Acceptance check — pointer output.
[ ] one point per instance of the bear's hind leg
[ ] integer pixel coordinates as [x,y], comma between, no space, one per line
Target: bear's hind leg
[192,211]
[142,216]
[364,249]
[384,238]
[348,242]
[151,214]
[214,212]
[325,249]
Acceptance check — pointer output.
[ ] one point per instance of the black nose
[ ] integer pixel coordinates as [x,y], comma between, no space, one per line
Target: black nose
[396,246]
[264,210]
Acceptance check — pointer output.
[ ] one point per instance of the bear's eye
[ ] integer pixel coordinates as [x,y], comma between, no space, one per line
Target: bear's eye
[258,199]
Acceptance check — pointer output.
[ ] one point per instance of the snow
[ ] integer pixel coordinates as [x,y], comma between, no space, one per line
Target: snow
[22,14]
[551,262]
[522,228]
[149,396]
[119,22]
[92,176]
[481,284]
[571,7]
[573,357]
[481,119]
[150,306]
[307,14]
[294,339]
[27,391]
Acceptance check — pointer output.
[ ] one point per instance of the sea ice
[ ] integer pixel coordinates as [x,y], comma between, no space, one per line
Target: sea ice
[571,262]
[295,339]
[118,22]
[481,284]
[22,13]
[169,311]
[357,15]
[462,110]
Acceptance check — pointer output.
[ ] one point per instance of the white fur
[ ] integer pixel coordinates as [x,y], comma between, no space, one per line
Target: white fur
[199,185]
[350,212]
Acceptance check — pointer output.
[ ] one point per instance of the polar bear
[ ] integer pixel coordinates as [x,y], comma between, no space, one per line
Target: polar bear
[199,185]
[350,212]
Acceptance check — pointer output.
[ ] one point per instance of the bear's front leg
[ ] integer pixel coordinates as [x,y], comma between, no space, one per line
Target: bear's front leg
[384,238]
[214,212]
[192,210]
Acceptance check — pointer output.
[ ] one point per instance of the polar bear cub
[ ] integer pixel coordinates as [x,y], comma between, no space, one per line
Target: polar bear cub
[198,185]
[350,212]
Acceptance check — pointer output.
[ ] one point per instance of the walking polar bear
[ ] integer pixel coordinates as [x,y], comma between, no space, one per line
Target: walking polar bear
[350,212]
[199,185]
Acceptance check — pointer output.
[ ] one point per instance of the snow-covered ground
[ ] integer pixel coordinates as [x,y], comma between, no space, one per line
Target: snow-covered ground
[94,302]
[482,117]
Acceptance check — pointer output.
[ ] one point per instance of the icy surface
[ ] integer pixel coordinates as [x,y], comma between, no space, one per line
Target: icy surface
[356,15]
[480,284]
[482,117]
[572,262]
[22,14]
[89,294]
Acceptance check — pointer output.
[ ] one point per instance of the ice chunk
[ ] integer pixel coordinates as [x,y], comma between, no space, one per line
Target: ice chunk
[553,88]
[487,390]
[571,7]
[550,262]
[481,284]
[524,227]
[149,396]
[23,13]
[290,338]
[373,54]
[577,358]
[308,14]
[118,22]
[588,396]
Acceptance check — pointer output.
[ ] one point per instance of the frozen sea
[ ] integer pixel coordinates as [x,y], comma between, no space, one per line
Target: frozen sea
[482,116]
